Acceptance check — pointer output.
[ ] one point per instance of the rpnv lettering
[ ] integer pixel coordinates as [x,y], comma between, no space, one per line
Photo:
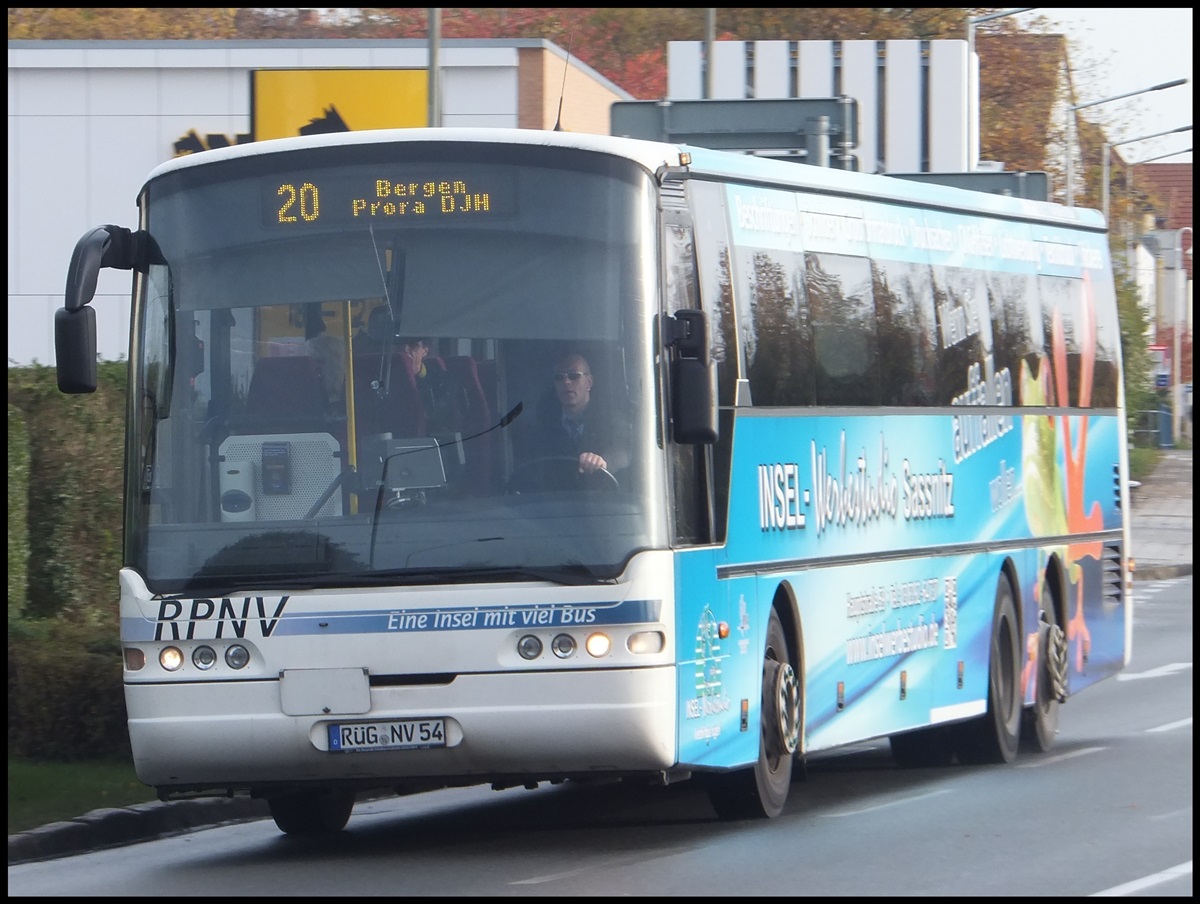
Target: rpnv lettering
[208,620]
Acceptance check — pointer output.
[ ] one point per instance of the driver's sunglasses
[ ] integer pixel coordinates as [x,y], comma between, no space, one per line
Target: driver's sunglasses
[570,376]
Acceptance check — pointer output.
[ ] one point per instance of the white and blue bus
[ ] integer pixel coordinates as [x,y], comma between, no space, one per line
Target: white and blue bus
[875,484]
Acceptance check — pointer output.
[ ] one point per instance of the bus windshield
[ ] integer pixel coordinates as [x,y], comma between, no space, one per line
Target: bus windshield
[394,365]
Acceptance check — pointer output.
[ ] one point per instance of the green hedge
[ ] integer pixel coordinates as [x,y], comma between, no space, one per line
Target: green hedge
[75,475]
[18,511]
[65,699]
[65,474]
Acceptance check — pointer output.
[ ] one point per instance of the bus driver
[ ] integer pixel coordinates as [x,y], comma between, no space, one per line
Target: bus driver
[578,427]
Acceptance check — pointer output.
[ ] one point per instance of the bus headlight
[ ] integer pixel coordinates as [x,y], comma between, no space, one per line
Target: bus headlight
[598,645]
[237,657]
[204,658]
[563,646]
[529,647]
[135,659]
[170,658]
[646,642]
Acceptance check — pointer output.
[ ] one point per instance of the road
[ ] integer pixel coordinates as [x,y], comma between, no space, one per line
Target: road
[1107,812]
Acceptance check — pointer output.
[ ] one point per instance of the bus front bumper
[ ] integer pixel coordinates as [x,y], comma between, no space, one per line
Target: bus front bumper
[234,736]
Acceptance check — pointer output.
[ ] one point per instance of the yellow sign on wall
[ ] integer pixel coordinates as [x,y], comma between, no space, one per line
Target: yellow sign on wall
[290,102]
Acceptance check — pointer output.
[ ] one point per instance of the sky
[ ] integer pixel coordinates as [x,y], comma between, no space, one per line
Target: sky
[1119,51]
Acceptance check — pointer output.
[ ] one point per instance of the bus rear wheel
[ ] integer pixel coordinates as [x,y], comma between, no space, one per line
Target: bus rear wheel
[1041,720]
[761,791]
[312,812]
[994,736]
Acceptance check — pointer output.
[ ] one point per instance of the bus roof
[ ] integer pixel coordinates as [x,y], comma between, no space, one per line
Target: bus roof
[650,154]
[702,162]
[881,188]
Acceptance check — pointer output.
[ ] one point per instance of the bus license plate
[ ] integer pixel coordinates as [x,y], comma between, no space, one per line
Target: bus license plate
[396,734]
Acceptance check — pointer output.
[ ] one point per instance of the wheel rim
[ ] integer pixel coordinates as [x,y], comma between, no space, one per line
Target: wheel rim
[1055,646]
[782,723]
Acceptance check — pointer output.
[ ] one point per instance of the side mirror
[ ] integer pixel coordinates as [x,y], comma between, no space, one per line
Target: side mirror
[693,380]
[75,349]
[75,322]
[104,246]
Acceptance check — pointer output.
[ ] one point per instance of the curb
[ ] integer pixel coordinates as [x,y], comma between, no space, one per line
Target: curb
[116,827]
[1161,572]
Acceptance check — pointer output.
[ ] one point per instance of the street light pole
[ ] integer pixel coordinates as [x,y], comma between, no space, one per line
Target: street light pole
[1108,147]
[710,37]
[435,67]
[1074,108]
[1129,190]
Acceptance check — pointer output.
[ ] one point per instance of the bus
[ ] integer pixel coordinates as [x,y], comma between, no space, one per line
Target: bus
[875,485]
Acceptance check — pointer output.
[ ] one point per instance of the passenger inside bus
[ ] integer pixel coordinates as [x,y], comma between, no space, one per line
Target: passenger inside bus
[385,390]
[329,351]
[443,398]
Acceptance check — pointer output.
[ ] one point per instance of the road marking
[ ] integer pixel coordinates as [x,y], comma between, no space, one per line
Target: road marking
[610,863]
[1171,726]
[1058,758]
[894,803]
[1175,872]
[1174,814]
[1161,672]
[552,877]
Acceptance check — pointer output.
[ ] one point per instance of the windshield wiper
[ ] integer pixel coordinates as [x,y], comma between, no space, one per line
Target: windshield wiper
[566,575]
[249,587]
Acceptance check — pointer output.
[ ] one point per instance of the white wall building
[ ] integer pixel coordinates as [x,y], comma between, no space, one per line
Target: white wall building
[88,121]
[918,104]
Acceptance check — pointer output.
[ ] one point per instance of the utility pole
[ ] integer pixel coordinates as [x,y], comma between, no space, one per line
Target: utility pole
[435,68]
[710,38]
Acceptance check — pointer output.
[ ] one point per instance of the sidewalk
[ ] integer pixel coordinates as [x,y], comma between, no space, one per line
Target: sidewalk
[1161,528]
[1161,519]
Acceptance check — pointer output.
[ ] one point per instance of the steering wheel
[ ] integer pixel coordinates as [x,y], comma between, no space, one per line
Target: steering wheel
[559,472]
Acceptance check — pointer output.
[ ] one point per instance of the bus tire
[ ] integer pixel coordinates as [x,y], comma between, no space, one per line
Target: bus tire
[994,736]
[761,791]
[925,747]
[312,812]
[1041,719]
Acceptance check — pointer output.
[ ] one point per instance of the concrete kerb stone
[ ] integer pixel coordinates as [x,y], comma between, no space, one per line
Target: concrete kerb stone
[1161,572]
[117,826]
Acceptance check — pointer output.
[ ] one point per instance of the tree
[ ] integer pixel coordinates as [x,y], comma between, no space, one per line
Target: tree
[1135,353]
[628,45]
[110,23]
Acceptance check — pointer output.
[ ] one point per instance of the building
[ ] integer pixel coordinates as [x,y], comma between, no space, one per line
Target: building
[914,98]
[1168,290]
[88,120]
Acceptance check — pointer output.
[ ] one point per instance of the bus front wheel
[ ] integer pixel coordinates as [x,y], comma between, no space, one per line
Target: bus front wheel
[994,736]
[762,790]
[312,812]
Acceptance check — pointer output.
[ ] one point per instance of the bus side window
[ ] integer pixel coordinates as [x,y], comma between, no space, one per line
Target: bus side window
[845,346]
